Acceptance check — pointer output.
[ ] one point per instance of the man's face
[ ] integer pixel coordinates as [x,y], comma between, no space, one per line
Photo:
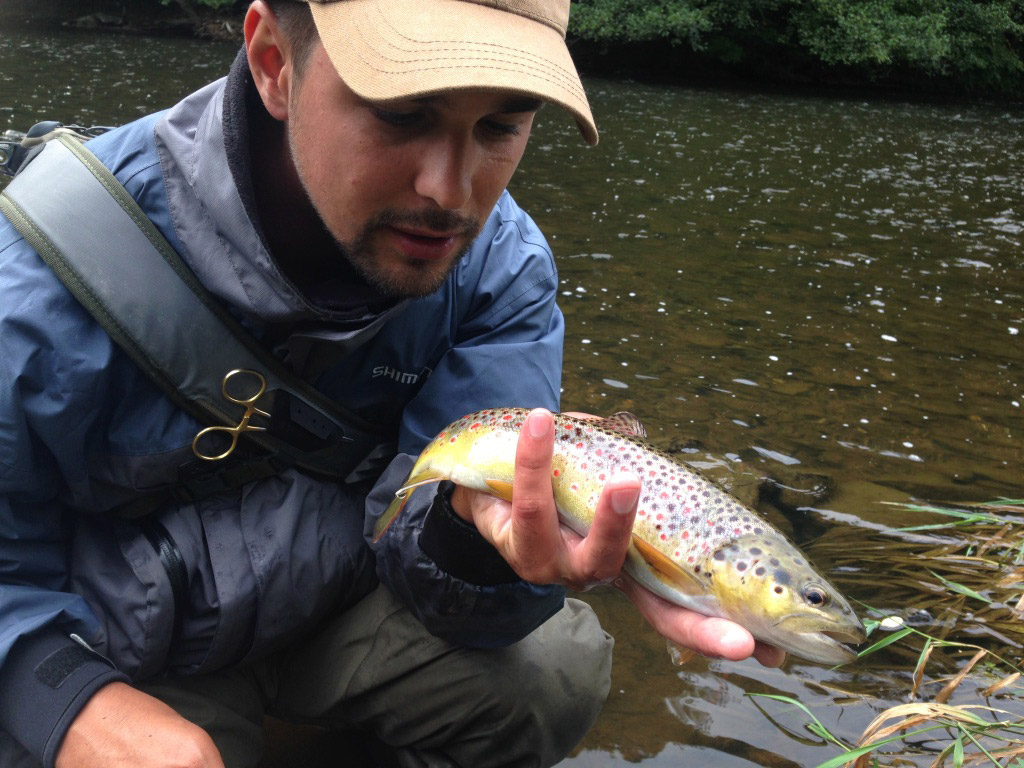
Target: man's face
[403,186]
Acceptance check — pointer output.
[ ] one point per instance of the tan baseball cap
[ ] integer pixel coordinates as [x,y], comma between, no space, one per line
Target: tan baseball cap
[398,49]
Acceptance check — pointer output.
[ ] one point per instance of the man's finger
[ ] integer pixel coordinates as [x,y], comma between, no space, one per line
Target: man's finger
[769,655]
[600,555]
[534,529]
[708,636]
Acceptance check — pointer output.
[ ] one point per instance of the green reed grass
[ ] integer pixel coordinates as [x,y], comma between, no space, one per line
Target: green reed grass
[978,586]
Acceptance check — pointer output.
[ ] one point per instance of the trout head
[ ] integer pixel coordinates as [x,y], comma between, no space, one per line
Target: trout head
[766,584]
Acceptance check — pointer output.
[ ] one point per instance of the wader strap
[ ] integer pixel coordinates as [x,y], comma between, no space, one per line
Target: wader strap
[174,564]
[94,236]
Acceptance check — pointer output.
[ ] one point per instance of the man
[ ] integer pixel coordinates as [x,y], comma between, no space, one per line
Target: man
[342,193]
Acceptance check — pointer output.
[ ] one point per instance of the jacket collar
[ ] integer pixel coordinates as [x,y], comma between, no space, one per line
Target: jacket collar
[203,143]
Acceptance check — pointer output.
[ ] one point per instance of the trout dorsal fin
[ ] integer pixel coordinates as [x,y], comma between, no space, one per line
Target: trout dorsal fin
[666,569]
[625,423]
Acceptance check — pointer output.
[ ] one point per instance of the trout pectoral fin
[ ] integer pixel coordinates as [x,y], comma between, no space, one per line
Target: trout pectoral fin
[667,569]
[500,488]
[680,654]
[401,497]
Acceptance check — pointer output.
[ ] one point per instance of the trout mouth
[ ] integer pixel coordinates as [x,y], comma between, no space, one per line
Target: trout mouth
[839,636]
[826,645]
[838,640]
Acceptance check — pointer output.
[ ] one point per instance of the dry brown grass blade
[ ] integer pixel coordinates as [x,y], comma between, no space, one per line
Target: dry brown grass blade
[1011,578]
[997,540]
[934,588]
[919,671]
[998,754]
[1011,508]
[942,696]
[918,713]
[912,714]
[995,687]
[915,714]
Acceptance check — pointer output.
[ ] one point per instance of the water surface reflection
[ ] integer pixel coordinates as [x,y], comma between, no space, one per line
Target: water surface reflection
[819,277]
[823,291]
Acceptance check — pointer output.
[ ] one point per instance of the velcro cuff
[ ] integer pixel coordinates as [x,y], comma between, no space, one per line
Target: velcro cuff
[458,549]
[45,681]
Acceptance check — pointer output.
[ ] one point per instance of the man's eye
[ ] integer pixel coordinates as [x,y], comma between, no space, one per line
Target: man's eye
[501,128]
[398,119]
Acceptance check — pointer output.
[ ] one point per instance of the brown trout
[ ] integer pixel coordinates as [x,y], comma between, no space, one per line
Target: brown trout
[693,544]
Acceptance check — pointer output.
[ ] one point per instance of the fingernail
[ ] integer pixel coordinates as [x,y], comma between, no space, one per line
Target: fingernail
[538,424]
[624,500]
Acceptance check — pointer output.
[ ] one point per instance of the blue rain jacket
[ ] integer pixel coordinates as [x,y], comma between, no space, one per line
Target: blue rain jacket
[84,598]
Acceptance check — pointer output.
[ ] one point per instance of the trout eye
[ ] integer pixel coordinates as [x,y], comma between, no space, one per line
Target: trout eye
[816,596]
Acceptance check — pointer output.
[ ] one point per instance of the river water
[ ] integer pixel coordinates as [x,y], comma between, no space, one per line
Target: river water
[816,299]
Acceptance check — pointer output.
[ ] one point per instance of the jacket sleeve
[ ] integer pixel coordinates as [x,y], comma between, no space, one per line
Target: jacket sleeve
[46,676]
[507,351]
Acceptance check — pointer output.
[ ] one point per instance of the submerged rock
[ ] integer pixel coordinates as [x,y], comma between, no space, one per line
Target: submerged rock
[793,490]
[98,21]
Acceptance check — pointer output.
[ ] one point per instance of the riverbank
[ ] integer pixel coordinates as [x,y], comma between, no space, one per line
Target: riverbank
[648,62]
[131,17]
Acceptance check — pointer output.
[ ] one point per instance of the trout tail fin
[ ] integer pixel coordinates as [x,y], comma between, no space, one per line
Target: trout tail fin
[414,481]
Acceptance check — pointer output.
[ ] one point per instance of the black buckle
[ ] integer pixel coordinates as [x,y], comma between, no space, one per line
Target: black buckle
[199,479]
[301,425]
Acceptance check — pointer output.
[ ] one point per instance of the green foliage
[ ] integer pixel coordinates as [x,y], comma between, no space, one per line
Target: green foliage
[969,43]
[988,48]
[641,21]
[964,44]
[992,733]
[874,32]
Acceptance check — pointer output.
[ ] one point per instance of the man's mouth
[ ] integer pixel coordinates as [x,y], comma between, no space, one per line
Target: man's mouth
[424,244]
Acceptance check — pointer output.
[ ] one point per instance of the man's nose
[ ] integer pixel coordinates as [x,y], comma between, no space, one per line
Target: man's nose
[446,174]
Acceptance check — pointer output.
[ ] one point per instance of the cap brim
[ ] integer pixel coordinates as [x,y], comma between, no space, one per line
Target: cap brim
[396,49]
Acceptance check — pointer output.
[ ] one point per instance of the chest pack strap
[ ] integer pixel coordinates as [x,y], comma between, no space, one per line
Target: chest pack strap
[93,235]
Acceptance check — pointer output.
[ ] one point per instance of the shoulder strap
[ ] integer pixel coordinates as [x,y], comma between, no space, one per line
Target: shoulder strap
[112,258]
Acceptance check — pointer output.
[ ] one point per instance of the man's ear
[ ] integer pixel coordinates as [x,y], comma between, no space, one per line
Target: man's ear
[270,60]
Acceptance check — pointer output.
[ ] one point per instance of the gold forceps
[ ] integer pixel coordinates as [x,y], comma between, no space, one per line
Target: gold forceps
[243,426]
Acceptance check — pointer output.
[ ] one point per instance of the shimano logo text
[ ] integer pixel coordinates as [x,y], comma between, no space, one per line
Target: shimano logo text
[401,377]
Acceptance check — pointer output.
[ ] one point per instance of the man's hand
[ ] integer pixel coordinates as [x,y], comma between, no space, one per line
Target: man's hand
[709,636]
[121,727]
[529,536]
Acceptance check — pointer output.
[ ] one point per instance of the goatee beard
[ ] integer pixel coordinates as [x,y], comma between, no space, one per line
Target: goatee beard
[418,278]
